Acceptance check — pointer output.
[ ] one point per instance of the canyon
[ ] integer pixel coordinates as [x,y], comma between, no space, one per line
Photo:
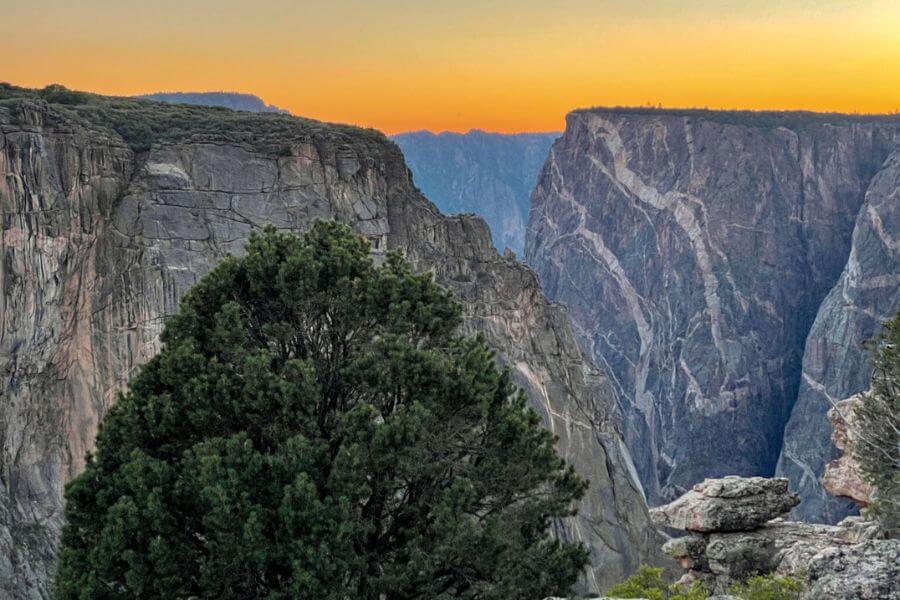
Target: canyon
[724,269]
[112,208]
[488,174]
[698,290]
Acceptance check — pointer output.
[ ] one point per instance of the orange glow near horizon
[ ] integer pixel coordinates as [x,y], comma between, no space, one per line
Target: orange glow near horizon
[498,65]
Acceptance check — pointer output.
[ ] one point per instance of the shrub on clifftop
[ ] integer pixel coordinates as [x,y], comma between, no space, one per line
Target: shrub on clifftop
[314,428]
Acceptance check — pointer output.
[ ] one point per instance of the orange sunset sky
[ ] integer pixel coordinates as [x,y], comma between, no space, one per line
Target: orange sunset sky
[498,65]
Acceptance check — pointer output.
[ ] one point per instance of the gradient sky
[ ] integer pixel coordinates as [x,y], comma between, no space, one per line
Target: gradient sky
[500,65]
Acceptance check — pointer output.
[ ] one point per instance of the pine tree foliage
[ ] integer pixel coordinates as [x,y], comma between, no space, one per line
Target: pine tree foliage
[877,445]
[313,427]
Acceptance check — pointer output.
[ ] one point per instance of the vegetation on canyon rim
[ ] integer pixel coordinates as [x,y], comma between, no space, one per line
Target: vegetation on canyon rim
[648,583]
[877,447]
[142,123]
[314,427]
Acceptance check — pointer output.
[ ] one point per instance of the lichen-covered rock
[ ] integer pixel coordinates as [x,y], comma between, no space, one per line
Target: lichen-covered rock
[723,268]
[101,239]
[843,476]
[786,548]
[866,571]
[721,558]
[727,504]
[689,551]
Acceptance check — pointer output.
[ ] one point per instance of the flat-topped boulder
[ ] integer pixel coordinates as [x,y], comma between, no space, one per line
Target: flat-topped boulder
[727,504]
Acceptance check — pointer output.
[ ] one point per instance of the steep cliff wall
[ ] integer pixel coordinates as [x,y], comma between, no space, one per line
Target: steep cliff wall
[694,250]
[113,208]
[835,363]
[488,174]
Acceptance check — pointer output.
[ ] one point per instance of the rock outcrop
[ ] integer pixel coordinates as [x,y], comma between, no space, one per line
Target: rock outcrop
[866,571]
[843,476]
[488,174]
[727,504]
[113,208]
[722,267]
[844,561]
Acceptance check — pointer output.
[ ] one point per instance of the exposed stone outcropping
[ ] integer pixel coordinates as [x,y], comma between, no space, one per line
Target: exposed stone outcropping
[844,561]
[728,504]
[865,571]
[843,476]
[835,363]
[724,268]
[101,241]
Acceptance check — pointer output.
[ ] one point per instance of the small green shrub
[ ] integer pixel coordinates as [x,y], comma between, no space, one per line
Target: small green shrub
[768,587]
[648,583]
[59,94]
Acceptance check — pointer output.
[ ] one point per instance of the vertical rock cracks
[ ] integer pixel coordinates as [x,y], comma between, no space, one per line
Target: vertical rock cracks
[99,243]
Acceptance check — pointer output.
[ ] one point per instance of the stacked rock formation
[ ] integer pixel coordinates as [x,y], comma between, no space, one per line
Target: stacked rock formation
[734,532]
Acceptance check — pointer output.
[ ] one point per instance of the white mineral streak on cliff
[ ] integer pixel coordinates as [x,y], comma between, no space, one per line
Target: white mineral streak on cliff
[694,249]
[673,202]
[634,300]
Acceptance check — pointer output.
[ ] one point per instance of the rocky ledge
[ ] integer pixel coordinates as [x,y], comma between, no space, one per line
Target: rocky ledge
[732,535]
[727,504]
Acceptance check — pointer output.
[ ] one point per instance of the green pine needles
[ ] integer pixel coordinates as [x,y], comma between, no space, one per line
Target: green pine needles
[877,445]
[314,428]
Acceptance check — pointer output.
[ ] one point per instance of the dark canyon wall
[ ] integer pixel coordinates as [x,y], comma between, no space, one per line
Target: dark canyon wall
[723,268]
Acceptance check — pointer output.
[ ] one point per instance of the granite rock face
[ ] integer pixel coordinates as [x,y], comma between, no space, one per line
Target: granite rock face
[835,364]
[721,268]
[100,242]
[489,174]
[866,571]
[727,504]
[843,561]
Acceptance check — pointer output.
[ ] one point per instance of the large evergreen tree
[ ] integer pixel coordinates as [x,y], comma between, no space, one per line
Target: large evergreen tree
[314,428]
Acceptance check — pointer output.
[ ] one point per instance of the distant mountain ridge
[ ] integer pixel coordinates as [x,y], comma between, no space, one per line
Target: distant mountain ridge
[232,100]
[489,174]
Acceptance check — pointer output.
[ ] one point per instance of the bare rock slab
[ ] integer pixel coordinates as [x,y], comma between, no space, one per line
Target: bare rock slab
[727,504]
